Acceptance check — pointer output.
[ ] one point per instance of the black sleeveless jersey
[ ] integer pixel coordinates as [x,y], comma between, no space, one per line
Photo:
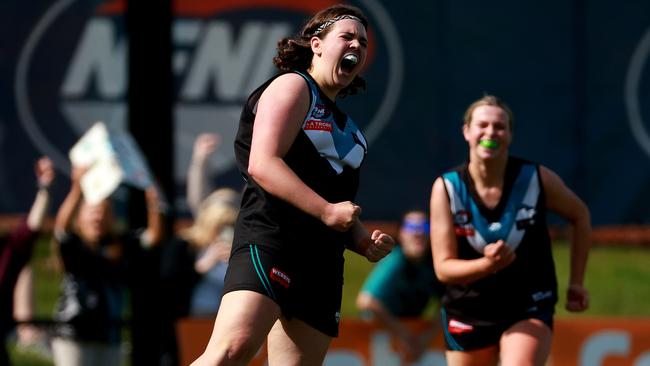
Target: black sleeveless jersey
[326,155]
[519,219]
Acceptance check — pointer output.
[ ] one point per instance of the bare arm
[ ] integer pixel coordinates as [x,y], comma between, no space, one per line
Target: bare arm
[449,268]
[560,199]
[280,113]
[71,202]
[154,232]
[44,176]
[197,179]
[408,340]
[426,337]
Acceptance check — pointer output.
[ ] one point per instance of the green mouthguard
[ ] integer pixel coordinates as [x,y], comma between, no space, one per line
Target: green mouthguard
[490,144]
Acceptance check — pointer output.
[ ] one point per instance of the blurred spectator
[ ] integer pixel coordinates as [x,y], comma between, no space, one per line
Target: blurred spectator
[194,263]
[198,187]
[209,239]
[401,285]
[16,250]
[27,335]
[94,259]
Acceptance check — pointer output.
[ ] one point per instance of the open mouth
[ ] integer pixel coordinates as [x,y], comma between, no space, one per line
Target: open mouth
[349,61]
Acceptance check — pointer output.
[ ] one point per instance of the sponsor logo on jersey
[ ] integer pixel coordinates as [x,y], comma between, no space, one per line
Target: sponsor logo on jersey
[457,327]
[462,217]
[320,112]
[525,217]
[464,230]
[495,226]
[280,277]
[318,125]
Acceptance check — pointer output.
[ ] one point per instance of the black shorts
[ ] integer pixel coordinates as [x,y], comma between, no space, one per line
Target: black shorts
[462,334]
[309,289]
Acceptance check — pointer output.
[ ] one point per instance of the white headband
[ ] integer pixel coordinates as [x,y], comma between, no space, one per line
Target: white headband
[329,22]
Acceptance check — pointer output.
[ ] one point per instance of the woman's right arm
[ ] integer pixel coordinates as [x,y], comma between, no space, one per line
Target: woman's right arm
[449,268]
[44,176]
[280,113]
[407,339]
[71,202]
[197,177]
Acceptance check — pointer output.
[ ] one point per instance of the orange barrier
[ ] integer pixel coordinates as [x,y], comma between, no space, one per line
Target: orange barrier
[601,342]
[577,342]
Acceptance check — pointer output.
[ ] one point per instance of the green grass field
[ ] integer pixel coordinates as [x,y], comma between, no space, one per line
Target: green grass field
[617,278]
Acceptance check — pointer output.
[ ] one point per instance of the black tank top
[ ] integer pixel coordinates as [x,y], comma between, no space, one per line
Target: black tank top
[326,155]
[520,220]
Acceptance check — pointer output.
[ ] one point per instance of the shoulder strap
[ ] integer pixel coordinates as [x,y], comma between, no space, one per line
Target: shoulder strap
[511,227]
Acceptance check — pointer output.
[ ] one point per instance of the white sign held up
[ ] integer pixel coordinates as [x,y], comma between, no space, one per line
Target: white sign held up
[112,157]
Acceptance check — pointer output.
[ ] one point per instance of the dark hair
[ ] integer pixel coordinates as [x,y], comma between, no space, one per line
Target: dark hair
[294,53]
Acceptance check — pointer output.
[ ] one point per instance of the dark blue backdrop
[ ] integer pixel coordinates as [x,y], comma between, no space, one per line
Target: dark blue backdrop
[575,73]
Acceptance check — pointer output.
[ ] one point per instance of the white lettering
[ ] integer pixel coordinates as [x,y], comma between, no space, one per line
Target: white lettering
[381,351]
[643,360]
[231,67]
[99,56]
[432,358]
[381,354]
[227,64]
[185,33]
[601,345]
[541,295]
[343,358]
[268,50]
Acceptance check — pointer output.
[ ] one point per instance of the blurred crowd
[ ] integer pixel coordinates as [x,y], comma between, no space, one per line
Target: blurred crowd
[106,267]
[99,259]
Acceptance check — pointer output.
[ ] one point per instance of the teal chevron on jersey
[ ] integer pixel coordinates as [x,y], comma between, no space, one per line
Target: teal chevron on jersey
[341,147]
[519,208]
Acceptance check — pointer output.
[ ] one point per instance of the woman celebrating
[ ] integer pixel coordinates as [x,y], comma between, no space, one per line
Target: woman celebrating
[300,157]
[492,248]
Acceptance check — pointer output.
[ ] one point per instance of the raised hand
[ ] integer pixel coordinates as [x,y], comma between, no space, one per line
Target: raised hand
[44,169]
[205,144]
[77,173]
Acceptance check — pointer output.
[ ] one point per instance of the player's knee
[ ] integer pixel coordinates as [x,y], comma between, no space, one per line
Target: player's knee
[523,359]
[239,351]
[520,362]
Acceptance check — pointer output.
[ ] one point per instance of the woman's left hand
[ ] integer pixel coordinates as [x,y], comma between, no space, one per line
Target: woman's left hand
[577,298]
[380,245]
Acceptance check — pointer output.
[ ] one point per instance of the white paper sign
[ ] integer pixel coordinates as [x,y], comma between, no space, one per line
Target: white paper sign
[113,158]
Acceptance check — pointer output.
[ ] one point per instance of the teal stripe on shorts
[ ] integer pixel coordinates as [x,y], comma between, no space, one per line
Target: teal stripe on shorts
[257,264]
[450,339]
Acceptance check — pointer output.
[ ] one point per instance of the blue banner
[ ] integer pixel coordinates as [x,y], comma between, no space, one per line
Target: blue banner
[576,75]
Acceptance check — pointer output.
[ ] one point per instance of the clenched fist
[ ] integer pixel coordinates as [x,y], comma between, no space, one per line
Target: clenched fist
[499,254]
[341,216]
[379,246]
